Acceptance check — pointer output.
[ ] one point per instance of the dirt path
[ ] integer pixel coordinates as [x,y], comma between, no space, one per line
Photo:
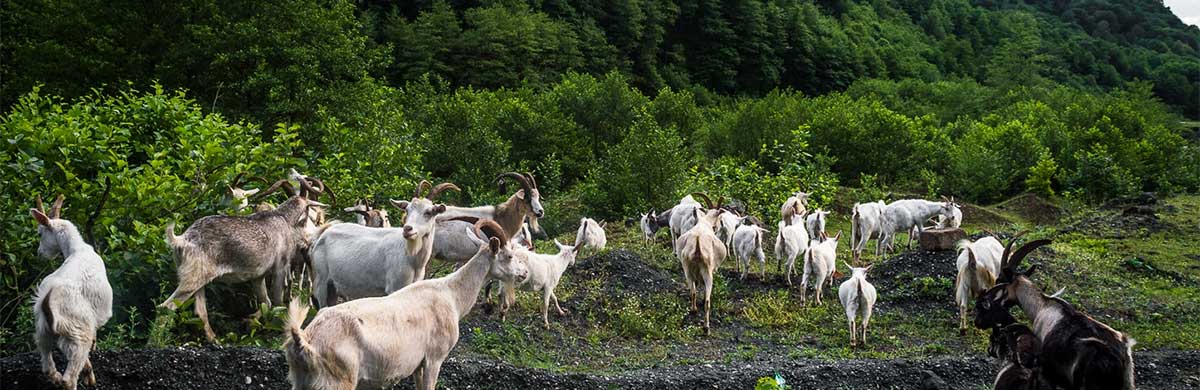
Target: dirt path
[257,368]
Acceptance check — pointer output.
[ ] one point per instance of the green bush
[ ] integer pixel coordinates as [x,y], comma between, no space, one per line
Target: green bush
[162,159]
[647,169]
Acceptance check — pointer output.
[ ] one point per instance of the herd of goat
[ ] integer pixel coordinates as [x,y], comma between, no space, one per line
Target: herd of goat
[380,320]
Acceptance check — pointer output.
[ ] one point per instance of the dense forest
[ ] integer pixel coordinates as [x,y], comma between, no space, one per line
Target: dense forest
[141,111]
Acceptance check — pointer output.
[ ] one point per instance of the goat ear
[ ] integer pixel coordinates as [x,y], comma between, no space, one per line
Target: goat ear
[41,218]
[439,208]
[400,204]
[494,245]
[520,194]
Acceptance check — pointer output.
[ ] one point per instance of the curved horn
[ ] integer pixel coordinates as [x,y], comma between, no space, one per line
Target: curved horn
[1025,250]
[532,181]
[438,189]
[324,189]
[421,187]
[708,203]
[237,180]
[307,190]
[56,209]
[490,228]
[522,180]
[287,188]
[1004,263]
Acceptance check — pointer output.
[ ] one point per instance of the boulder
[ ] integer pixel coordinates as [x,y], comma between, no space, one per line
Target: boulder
[941,239]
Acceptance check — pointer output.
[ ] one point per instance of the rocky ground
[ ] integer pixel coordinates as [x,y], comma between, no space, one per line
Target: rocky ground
[215,368]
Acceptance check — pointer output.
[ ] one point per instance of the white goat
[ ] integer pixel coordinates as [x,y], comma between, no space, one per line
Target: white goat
[683,217]
[747,246]
[729,224]
[815,223]
[700,252]
[72,302]
[904,215]
[590,235]
[978,266]
[858,297]
[354,261]
[790,242]
[820,262]
[376,342]
[545,271]
[867,222]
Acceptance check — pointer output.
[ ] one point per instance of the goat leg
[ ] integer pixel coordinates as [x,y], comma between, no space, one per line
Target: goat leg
[202,313]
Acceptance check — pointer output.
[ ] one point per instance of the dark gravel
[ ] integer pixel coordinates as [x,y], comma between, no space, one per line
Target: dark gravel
[258,368]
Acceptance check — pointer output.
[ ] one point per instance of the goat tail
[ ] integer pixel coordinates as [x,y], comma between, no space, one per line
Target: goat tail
[299,351]
[1130,382]
[854,227]
[173,240]
[46,310]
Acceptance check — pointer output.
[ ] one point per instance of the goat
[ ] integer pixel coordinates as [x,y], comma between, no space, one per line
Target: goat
[545,271]
[238,198]
[906,214]
[1078,352]
[234,249]
[820,261]
[747,245]
[794,205]
[815,223]
[375,342]
[651,222]
[700,252]
[866,222]
[978,265]
[590,235]
[682,218]
[790,242]
[352,261]
[1020,349]
[366,215]
[526,202]
[72,302]
[729,221]
[940,221]
[858,297]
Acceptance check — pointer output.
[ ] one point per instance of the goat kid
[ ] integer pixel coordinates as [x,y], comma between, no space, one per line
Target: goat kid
[1020,350]
[815,223]
[791,242]
[747,246]
[590,235]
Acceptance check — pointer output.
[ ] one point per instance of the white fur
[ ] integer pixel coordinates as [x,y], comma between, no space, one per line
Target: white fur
[747,246]
[904,215]
[360,261]
[856,304]
[820,260]
[815,222]
[791,242]
[545,271]
[867,222]
[594,239]
[975,278]
[71,303]
[700,252]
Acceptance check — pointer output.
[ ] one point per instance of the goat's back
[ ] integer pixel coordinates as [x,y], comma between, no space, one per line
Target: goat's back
[243,243]
[81,288]
[1104,355]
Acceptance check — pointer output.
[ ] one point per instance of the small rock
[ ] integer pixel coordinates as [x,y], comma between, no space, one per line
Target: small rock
[931,381]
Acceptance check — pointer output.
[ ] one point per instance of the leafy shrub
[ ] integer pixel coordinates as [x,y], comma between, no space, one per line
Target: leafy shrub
[163,159]
[648,168]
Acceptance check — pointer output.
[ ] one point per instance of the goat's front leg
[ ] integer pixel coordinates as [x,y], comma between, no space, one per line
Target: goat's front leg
[430,375]
[202,313]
